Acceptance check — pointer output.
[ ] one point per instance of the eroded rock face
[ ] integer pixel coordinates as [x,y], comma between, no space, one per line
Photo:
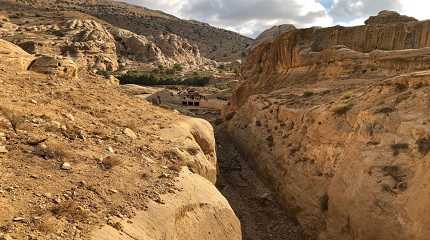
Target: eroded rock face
[13,56]
[165,49]
[92,45]
[197,212]
[139,47]
[336,119]
[347,164]
[198,151]
[271,34]
[389,17]
[146,188]
[314,54]
[178,49]
[98,46]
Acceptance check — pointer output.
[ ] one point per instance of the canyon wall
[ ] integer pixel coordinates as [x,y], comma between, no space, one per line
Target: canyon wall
[336,120]
[308,55]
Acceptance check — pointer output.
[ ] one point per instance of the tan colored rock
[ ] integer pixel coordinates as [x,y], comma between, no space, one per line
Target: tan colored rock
[165,49]
[198,146]
[335,119]
[138,47]
[214,43]
[178,49]
[130,133]
[315,54]
[58,66]
[3,149]
[389,17]
[12,57]
[197,212]
[271,34]
[112,80]
[359,169]
[92,45]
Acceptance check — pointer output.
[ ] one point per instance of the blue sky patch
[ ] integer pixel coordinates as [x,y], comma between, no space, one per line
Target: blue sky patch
[326,3]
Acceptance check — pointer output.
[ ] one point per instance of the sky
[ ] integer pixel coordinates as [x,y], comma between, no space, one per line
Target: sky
[251,17]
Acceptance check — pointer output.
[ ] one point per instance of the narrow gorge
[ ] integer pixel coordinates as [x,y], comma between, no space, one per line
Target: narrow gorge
[118,122]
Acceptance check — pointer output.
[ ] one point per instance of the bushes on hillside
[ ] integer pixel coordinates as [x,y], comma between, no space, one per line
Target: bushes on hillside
[151,79]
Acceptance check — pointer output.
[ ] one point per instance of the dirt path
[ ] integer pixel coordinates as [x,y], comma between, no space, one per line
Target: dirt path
[260,216]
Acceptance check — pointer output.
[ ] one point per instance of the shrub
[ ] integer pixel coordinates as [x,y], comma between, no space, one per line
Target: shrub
[51,151]
[308,94]
[341,108]
[15,119]
[178,67]
[423,145]
[104,73]
[347,95]
[110,162]
[150,79]
[399,147]
[57,33]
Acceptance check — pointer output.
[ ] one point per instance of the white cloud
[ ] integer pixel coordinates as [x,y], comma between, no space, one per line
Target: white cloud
[251,17]
[416,8]
[169,6]
[248,17]
[344,11]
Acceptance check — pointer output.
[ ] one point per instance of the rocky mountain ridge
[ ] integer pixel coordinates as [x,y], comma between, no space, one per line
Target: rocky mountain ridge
[95,44]
[336,120]
[213,43]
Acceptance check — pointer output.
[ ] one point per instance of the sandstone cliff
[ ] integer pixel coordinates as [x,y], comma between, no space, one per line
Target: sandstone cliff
[314,54]
[336,119]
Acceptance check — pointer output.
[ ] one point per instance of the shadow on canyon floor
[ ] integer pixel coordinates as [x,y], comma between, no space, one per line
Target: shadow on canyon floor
[260,215]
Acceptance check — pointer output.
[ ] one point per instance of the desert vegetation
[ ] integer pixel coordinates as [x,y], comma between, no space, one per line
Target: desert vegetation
[163,77]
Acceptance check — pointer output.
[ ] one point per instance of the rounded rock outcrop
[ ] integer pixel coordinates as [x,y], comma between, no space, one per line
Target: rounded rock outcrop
[58,66]
[13,56]
[197,212]
[389,17]
[198,152]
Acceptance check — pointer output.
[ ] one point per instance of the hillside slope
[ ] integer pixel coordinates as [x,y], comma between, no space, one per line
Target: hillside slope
[214,43]
[81,159]
[93,43]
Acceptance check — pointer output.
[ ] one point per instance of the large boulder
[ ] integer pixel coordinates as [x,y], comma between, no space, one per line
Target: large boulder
[59,66]
[164,49]
[197,212]
[138,47]
[196,136]
[178,49]
[13,57]
[91,45]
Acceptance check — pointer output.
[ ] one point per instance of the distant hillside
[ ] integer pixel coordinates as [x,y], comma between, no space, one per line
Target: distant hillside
[214,43]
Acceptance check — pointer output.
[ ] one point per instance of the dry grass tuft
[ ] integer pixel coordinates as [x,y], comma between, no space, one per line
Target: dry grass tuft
[341,108]
[71,211]
[399,147]
[51,151]
[15,119]
[110,162]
